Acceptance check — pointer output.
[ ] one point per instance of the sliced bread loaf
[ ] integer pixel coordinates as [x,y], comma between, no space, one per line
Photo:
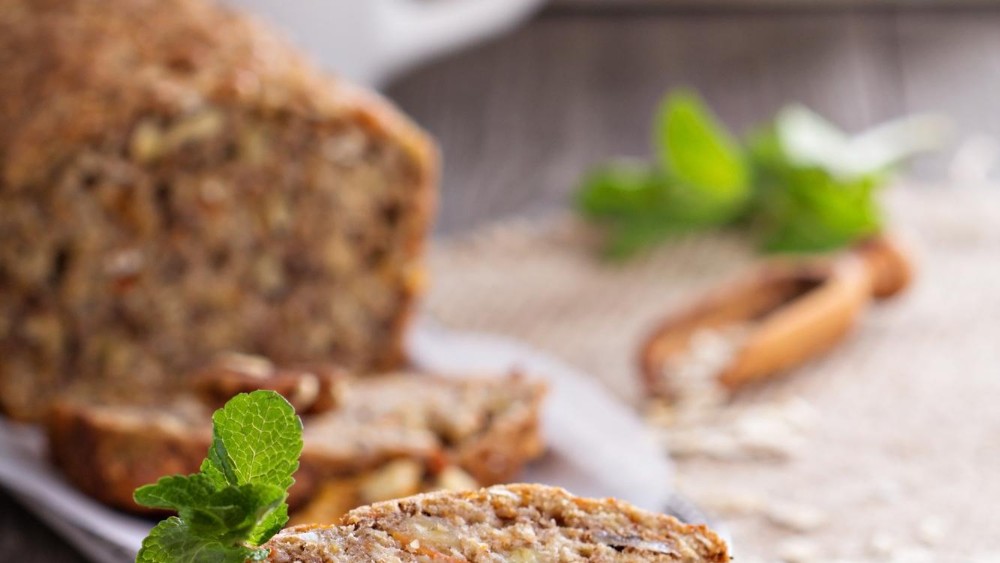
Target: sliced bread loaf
[515,523]
[388,436]
[176,182]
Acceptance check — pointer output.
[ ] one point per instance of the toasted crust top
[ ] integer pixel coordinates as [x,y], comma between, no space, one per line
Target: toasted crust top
[517,522]
[73,70]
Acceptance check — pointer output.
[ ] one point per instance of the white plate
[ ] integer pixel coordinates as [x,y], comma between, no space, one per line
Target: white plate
[370,41]
[597,446]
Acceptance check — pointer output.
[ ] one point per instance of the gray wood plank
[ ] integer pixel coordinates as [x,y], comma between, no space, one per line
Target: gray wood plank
[952,65]
[519,119]
[662,6]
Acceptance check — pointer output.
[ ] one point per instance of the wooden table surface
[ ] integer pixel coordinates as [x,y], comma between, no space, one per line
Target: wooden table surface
[520,117]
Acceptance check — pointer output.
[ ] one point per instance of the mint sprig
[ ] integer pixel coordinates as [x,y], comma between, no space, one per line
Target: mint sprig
[701,179]
[237,501]
[798,183]
[699,152]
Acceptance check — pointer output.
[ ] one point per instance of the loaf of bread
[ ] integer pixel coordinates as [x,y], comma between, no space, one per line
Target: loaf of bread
[515,523]
[386,437]
[176,181]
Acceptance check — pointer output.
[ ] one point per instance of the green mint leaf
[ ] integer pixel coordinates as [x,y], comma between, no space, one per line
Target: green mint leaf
[237,501]
[820,214]
[233,513]
[210,470]
[698,151]
[627,239]
[218,467]
[807,208]
[256,438]
[802,185]
[171,541]
[641,207]
[175,492]
[621,189]
[808,140]
[269,524]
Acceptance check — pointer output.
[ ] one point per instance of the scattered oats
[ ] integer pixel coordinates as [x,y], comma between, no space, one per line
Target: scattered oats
[415,544]
[932,530]
[692,376]
[700,420]
[993,557]
[887,491]
[796,517]
[799,550]
[800,414]
[701,404]
[764,435]
[703,443]
[734,503]
[912,555]
[769,448]
[882,544]
[736,435]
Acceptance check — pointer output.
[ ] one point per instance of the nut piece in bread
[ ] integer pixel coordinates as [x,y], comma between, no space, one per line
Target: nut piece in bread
[519,523]
[310,389]
[178,182]
[396,479]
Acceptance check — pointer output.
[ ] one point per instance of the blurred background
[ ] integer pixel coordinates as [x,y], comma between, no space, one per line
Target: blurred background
[521,116]
[523,108]
[524,96]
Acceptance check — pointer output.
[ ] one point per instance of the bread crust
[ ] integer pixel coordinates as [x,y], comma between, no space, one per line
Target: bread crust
[516,522]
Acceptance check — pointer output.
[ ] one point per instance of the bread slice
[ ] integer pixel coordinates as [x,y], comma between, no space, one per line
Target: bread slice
[177,181]
[387,436]
[515,523]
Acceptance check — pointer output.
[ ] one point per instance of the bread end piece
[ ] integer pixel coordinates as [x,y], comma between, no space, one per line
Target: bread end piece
[521,523]
[108,452]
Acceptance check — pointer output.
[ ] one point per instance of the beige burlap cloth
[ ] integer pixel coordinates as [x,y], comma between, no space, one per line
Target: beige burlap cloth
[888,449]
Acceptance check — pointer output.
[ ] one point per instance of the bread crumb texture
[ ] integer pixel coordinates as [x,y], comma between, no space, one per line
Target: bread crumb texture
[517,523]
[178,182]
[387,437]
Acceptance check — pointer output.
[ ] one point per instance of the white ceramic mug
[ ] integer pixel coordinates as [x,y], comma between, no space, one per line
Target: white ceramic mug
[370,40]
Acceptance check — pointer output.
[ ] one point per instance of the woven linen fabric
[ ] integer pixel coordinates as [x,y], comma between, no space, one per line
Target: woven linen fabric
[901,461]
